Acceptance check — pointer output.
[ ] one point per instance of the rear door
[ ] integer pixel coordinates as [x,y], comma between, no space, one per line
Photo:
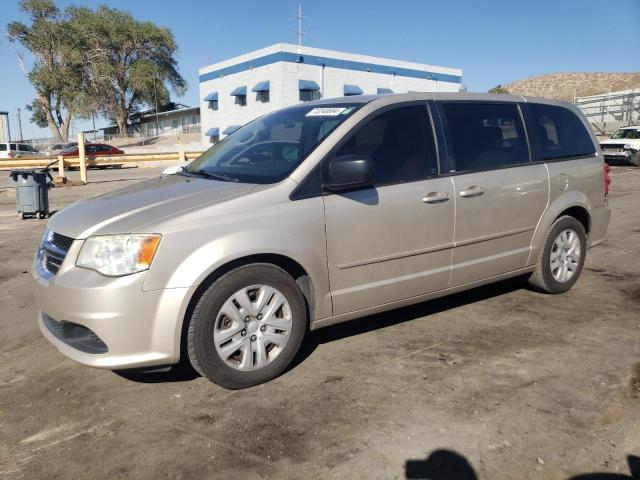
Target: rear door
[500,195]
[393,240]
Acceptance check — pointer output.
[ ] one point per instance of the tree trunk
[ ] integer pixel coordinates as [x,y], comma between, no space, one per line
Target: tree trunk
[65,127]
[53,126]
[121,120]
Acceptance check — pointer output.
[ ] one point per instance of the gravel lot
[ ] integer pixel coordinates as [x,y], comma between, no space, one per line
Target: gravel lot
[499,382]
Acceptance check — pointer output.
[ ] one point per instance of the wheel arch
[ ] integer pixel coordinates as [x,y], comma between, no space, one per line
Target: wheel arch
[580,213]
[288,264]
[572,203]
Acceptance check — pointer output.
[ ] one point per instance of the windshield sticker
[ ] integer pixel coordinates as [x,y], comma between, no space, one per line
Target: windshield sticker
[326,112]
[346,111]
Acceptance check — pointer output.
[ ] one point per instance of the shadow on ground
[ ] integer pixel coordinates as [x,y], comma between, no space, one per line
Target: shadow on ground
[184,372]
[449,465]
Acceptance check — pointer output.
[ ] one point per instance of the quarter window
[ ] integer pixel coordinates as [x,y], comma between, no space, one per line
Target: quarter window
[483,136]
[400,143]
[559,133]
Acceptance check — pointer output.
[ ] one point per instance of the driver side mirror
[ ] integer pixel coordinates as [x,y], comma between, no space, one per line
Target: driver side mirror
[348,172]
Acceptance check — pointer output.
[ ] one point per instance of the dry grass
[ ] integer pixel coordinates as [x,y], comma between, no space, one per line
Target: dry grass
[564,85]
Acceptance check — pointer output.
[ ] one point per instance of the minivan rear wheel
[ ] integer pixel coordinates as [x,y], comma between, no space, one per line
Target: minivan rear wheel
[247,326]
[561,259]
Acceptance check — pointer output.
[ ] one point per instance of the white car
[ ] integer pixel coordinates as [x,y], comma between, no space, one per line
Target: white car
[17,150]
[623,145]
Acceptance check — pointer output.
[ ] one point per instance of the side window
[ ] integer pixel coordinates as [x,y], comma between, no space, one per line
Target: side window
[3,147]
[309,95]
[12,146]
[400,143]
[558,132]
[23,148]
[483,136]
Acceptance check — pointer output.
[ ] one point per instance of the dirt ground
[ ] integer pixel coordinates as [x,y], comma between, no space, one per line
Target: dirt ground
[498,382]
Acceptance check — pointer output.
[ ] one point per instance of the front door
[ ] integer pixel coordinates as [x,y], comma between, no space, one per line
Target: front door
[500,195]
[391,241]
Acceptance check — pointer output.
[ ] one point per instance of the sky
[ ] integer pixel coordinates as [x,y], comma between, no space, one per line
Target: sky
[492,41]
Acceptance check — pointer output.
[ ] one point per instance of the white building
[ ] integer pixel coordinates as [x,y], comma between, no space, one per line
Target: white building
[235,91]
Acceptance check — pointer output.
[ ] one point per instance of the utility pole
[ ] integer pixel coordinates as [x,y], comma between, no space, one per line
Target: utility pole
[155,99]
[299,33]
[19,121]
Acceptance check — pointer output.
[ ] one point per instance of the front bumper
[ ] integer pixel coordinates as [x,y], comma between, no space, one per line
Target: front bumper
[139,328]
[624,156]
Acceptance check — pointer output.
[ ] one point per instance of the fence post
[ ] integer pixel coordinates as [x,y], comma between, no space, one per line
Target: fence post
[83,158]
[60,178]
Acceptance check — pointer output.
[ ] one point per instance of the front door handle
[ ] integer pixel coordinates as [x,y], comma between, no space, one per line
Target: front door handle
[436,197]
[473,191]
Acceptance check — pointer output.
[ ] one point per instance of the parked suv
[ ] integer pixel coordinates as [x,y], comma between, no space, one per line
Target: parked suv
[17,150]
[623,146]
[318,214]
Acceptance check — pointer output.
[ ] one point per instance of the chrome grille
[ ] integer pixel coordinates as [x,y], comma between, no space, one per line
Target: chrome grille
[53,251]
[60,241]
[616,147]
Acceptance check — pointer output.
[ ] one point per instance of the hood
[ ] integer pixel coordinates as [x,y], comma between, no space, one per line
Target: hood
[128,209]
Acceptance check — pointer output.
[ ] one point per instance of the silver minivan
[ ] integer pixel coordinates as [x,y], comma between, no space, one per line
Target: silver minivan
[317,214]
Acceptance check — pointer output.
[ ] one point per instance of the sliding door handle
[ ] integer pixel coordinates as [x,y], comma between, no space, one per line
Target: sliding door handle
[436,197]
[473,191]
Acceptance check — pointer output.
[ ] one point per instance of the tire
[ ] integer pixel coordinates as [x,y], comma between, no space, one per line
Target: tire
[42,215]
[240,368]
[548,280]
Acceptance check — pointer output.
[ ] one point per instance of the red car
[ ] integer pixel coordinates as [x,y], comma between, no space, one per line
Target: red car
[94,150]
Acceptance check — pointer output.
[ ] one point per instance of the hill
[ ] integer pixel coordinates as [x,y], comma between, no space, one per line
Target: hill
[564,85]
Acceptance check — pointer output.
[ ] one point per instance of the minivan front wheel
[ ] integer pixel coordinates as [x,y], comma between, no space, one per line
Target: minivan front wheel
[562,256]
[247,326]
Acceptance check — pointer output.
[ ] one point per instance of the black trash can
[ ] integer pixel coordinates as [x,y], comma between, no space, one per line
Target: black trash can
[32,191]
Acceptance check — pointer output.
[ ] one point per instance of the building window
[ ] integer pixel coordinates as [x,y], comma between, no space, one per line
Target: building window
[214,139]
[241,100]
[213,105]
[309,95]
[263,96]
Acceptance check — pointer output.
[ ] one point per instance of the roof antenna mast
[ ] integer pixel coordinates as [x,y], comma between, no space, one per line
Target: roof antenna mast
[299,33]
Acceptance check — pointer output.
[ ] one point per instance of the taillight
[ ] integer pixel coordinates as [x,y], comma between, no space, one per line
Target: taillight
[606,172]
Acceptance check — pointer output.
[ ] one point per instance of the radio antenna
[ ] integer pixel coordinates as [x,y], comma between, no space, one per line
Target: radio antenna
[299,32]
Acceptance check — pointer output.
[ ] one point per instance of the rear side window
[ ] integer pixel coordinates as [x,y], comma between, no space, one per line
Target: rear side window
[400,143]
[483,136]
[558,132]
[3,147]
[12,146]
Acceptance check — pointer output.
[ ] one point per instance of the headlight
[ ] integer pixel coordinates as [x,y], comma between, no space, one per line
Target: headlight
[117,255]
[629,146]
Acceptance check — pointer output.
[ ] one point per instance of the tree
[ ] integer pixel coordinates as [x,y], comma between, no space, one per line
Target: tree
[56,73]
[499,89]
[128,63]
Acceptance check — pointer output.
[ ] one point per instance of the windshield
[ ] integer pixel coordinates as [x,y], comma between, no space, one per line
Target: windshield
[631,133]
[268,149]
[70,149]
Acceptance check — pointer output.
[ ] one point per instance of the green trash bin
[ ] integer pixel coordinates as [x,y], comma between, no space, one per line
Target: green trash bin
[32,191]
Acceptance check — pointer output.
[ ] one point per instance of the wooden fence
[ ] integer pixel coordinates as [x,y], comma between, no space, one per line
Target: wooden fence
[82,161]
